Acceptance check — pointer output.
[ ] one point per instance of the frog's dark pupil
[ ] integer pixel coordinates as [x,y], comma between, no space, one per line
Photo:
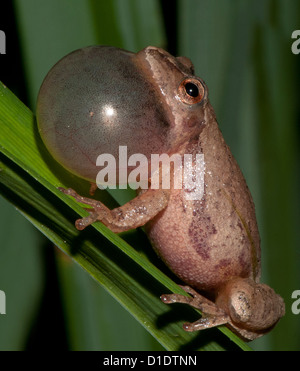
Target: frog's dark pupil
[192,89]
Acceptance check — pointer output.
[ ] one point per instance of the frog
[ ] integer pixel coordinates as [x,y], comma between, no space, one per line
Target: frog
[99,98]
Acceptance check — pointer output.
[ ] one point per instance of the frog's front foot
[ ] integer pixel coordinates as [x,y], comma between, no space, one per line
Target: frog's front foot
[133,214]
[212,315]
[97,212]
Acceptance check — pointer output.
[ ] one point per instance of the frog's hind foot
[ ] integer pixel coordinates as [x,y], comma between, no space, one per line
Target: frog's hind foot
[212,315]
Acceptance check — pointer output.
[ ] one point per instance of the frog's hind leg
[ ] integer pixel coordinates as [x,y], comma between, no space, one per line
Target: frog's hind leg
[212,315]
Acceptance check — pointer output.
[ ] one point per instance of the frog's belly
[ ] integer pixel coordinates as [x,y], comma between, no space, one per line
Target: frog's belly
[200,244]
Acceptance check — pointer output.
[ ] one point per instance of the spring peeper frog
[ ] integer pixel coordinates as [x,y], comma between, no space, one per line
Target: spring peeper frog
[99,98]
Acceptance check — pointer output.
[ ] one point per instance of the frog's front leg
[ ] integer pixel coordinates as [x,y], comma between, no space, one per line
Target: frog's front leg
[133,214]
[212,315]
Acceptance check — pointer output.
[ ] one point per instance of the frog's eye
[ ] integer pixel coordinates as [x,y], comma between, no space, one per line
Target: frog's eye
[191,91]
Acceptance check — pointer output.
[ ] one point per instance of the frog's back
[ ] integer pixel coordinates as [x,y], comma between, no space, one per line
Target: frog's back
[206,242]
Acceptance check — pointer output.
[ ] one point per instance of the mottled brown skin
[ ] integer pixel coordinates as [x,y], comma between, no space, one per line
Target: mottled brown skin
[211,244]
[216,238]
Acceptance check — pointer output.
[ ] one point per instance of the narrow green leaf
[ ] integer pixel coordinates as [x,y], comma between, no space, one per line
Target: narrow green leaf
[92,303]
[21,276]
[64,30]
